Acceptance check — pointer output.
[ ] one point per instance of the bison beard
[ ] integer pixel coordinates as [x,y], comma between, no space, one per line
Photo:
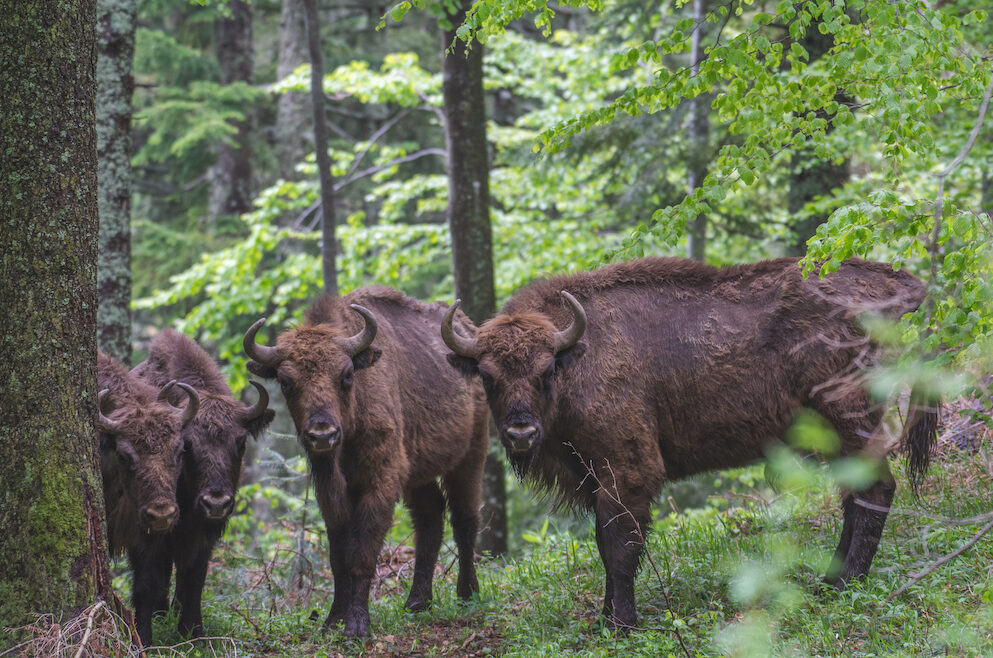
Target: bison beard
[212,465]
[381,418]
[686,368]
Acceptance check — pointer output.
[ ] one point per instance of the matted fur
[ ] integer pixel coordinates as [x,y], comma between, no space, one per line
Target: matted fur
[685,368]
[212,466]
[405,420]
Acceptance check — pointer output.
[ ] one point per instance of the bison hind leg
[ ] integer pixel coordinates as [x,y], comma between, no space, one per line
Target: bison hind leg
[427,508]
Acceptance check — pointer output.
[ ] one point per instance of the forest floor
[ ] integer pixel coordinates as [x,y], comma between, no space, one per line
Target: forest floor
[740,576]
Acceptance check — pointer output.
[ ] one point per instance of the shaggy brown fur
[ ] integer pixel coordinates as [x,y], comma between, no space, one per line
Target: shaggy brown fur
[398,418]
[212,465]
[685,368]
[140,462]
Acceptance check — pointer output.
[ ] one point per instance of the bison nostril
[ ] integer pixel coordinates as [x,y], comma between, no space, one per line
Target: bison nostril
[159,517]
[521,436]
[322,439]
[215,505]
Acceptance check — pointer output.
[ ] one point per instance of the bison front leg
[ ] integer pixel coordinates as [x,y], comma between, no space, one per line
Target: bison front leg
[342,571]
[371,518]
[149,584]
[464,493]
[190,578]
[621,531]
[427,508]
[866,521]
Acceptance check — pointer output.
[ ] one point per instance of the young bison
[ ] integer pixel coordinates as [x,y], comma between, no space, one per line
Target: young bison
[380,420]
[683,368]
[214,447]
[140,460]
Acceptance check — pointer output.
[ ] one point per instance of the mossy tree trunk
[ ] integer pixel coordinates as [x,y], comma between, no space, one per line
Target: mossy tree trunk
[115,85]
[292,111]
[469,223]
[698,129]
[51,502]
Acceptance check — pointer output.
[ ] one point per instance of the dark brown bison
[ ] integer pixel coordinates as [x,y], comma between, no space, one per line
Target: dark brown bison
[214,446]
[381,416]
[666,368]
[140,458]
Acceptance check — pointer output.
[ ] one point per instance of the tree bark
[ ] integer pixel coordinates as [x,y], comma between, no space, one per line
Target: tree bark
[53,539]
[810,176]
[328,245]
[469,224]
[231,175]
[116,21]
[291,144]
[699,128]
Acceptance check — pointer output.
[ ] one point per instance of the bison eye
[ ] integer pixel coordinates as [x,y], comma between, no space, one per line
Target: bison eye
[285,385]
[241,440]
[488,384]
[127,459]
[347,378]
[546,379]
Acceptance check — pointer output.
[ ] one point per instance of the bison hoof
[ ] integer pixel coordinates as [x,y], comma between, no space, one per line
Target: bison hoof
[357,626]
[417,604]
[334,618]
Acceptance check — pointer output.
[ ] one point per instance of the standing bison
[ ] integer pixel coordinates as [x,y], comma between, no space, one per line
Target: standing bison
[214,445]
[381,416]
[140,458]
[666,368]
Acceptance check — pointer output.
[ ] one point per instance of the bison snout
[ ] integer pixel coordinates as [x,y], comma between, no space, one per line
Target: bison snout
[321,441]
[216,504]
[159,517]
[520,438]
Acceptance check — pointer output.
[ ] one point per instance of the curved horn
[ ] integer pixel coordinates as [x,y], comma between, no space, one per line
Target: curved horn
[570,335]
[191,407]
[105,424]
[267,356]
[360,341]
[256,410]
[164,392]
[462,346]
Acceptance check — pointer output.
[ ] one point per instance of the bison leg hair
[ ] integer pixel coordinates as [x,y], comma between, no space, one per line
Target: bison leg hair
[149,586]
[464,492]
[372,517]
[427,509]
[867,525]
[162,604]
[841,553]
[190,579]
[608,589]
[342,572]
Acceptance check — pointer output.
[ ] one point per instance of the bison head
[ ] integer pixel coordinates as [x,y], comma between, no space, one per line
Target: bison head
[315,366]
[517,357]
[215,446]
[144,441]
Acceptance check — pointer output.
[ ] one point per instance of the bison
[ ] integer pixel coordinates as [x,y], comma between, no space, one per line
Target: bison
[668,367]
[140,459]
[214,445]
[381,416]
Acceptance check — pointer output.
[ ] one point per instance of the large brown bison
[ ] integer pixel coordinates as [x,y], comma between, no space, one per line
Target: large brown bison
[214,447]
[381,416]
[665,367]
[140,458]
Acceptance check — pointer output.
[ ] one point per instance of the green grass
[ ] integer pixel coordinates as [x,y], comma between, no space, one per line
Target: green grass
[740,576]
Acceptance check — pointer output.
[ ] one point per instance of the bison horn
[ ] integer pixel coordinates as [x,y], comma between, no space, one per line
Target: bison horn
[190,411]
[105,424]
[164,392]
[465,347]
[569,336]
[362,340]
[259,407]
[267,356]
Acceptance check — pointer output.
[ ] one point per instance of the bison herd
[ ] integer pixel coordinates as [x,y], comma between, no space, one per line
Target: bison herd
[603,386]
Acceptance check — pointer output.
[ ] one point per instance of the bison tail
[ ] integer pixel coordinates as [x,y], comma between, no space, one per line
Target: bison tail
[920,435]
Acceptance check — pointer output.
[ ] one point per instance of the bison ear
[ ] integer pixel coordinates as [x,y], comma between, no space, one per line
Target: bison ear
[366,358]
[463,364]
[256,425]
[261,370]
[565,358]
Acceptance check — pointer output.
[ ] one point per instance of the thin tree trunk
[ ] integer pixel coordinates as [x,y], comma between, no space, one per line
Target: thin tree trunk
[291,143]
[810,176]
[53,539]
[231,176]
[328,245]
[469,223]
[116,21]
[699,127]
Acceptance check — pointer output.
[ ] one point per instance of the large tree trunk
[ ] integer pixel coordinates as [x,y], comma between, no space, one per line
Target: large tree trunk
[699,129]
[115,86]
[231,175]
[469,223]
[53,539]
[810,176]
[292,112]
[328,245]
